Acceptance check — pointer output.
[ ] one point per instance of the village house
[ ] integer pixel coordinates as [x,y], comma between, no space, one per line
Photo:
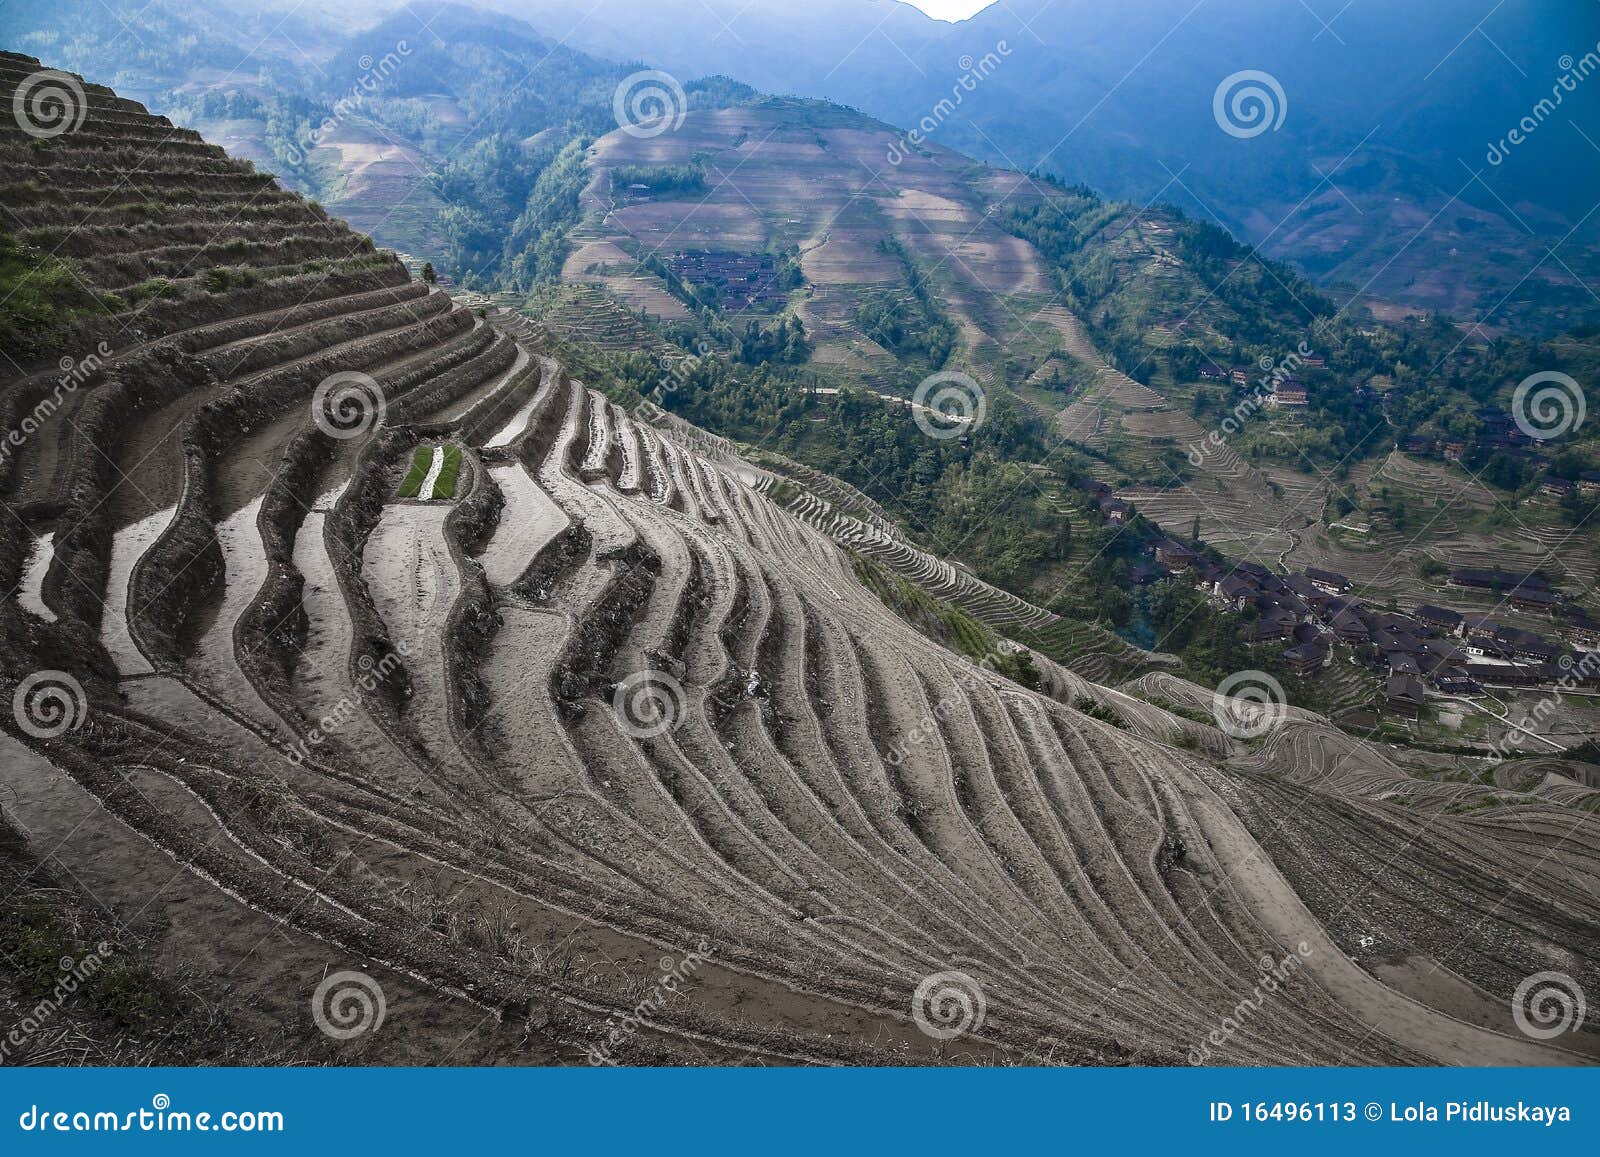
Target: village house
[1403,695]
[1115,510]
[1327,581]
[1307,658]
[1268,627]
[1581,630]
[1335,605]
[1289,392]
[1206,575]
[1494,580]
[1387,638]
[1439,618]
[1291,602]
[1435,653]
[1552,487]
[1525,645]
[1402,663]
[1456,682]
[1350,629]
[1585,668]
[1505,674]
[1530,599]
[1476,628]
[1305,588]
[1143,572]
[1234,591]
[1173,555]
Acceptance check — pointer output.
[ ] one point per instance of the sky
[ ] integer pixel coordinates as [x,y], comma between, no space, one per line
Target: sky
[951,10]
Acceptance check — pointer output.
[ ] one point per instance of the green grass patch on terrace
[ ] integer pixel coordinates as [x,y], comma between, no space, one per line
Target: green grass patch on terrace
[41,296]
[449,473]
[444,486]
[421,463]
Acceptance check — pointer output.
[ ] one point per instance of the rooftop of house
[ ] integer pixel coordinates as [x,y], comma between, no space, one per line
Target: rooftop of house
[1405,688]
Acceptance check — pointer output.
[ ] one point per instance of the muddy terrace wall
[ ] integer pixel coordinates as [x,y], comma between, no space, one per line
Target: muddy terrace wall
[477,515]
[348,526]
[254,806]
[275,351]
[26,645]
[273,628]
[485,419]
[235,314]
[260,808]
[548,571]
[472,622]
[554,565]
[694,600]
[76,583]
[496,357]
[183,569]
[586,662]
[186,301]
[120,270]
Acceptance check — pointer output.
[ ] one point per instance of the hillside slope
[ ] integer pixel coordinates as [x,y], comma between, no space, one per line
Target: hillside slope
[1376,176]
[584,696]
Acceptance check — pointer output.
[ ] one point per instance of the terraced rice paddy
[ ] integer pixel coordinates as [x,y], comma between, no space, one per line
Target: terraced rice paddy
[756,158]
[612,704]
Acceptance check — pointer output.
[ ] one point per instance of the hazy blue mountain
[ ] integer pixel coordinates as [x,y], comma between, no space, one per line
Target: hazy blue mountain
[1397,103]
